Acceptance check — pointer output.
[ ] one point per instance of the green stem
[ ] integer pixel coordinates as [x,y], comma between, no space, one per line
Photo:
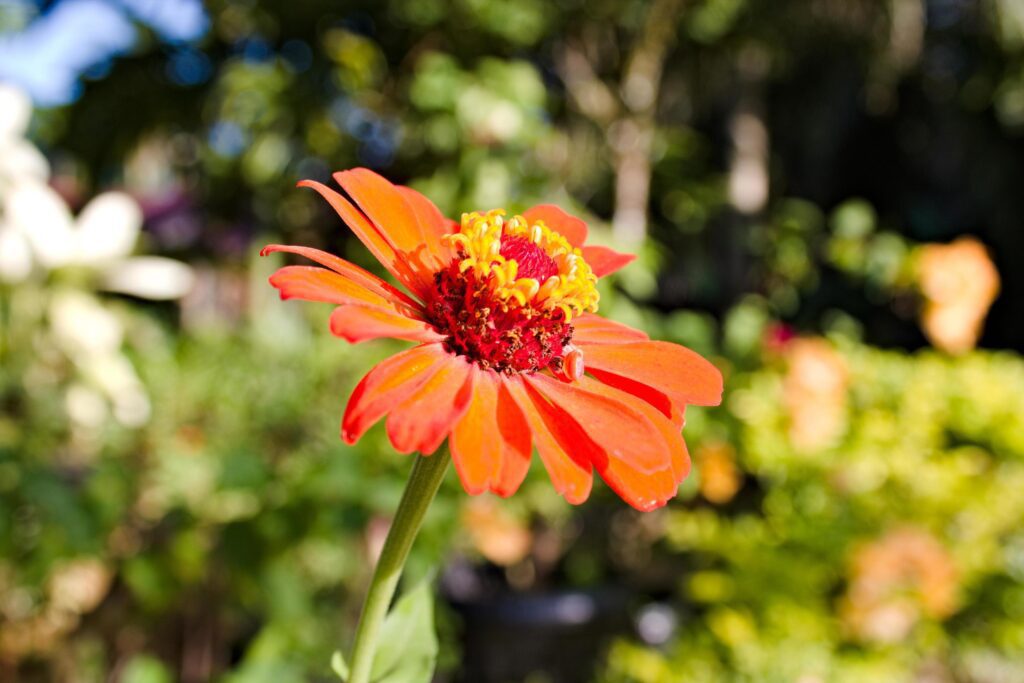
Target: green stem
[425,479]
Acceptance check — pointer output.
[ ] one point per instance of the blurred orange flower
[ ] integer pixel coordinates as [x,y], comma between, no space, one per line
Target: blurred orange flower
[719,476]
[894,581]
[495,533]
[74,589]
[503,310]
[959,283]
[815,393]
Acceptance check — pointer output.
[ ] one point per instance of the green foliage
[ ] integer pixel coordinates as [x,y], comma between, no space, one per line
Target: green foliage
[408,645]
[145,669]
[922,441]
[231,527]
[339,666]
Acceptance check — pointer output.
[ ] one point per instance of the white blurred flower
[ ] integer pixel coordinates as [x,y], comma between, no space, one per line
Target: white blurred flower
[38,212]
[38,229]
[150,277]
[85,406]
[106,229]
[15,112]
[101,239]
[115,376]
[15,256]
[91,336]
[18,157]
[82,326]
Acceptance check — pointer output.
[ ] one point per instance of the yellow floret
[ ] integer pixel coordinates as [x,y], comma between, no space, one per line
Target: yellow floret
[478,242]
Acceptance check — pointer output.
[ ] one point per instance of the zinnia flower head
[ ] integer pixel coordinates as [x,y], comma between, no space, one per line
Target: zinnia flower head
[510,354]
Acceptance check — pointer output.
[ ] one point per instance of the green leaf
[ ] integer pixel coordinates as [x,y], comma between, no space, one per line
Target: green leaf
[144,669]
[339,666]
[407,650]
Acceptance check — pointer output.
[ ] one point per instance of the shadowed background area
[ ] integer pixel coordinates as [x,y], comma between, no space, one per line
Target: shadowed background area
[825,199]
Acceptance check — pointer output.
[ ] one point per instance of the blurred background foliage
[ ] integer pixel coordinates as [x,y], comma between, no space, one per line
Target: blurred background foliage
[825,198]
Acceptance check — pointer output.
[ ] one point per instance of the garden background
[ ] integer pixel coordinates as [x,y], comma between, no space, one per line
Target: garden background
[826,198]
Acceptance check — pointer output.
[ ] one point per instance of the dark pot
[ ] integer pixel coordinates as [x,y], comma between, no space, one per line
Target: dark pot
[556,636]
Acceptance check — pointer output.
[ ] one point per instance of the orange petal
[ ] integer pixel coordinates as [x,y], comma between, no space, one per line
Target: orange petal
[643,490]
[346,269]
[387,384]
[653,397]
[670,430]
[356,323]
[435,225]
[622,432]
[423,420]
[319,284]
[475,445]
[571,228]
[385,206]
[396,220]
[570,473]
[491,443]
[681,374]
[517,446]
[593,329]
[371,238]
[604,261]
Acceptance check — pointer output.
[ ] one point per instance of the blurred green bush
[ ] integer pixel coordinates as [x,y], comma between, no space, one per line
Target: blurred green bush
[865,527]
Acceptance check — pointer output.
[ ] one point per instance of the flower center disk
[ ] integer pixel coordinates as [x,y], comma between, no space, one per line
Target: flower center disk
[533,262]
[507,299]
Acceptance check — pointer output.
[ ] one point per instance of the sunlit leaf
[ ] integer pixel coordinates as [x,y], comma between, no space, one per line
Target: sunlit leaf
[408,645]
[339,665]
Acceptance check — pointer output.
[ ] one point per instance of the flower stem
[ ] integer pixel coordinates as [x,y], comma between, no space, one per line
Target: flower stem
[425,479]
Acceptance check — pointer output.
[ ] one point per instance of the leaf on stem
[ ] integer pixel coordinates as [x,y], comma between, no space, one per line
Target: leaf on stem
[408,647]
[339,666]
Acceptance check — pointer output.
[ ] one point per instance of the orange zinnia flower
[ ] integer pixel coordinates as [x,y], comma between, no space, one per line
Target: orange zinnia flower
[511,356]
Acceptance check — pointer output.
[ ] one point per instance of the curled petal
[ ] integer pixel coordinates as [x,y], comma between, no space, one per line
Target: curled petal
[319,284]
[435,225]
[634,458]
[385,206]
[371,238]
[604,261]
[571,228]
[644,491]
[355,323]
[669,426]
[676,371]
[399,221]
[348,270]
[568,467]
[387,384]
[622,432]
[423,420]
